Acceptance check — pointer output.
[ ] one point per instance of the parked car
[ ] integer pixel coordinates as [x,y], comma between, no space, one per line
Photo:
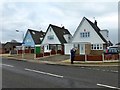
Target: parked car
[112,50]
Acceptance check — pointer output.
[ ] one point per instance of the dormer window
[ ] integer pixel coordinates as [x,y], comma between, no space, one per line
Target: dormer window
[33,32]
[41,38]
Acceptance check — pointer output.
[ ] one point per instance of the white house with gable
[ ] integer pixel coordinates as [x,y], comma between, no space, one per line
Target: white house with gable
[88,39]
[55,38]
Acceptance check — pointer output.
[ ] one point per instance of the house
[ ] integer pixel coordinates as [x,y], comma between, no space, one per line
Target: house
[118,44]
[11,46]
[55,38]
[32,38]
[88,39]
[2,50]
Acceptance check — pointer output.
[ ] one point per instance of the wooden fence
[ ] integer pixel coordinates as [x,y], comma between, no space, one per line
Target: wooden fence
[103,57]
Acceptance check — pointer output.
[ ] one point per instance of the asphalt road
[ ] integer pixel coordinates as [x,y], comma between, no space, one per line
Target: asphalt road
[20,74]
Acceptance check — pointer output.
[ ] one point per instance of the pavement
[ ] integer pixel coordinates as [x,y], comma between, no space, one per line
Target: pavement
[63,60]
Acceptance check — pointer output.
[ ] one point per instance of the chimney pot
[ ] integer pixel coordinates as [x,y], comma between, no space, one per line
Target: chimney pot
[95,22]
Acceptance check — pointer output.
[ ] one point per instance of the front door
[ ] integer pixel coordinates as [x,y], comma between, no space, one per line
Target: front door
[82,48]
[46,48]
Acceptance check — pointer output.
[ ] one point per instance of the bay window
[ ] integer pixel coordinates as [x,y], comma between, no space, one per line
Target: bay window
[97,46]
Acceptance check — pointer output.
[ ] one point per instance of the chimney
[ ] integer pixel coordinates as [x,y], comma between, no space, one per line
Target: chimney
[63,27]
[95,22]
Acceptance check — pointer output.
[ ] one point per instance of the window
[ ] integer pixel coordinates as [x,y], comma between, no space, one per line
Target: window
[84,34]
[76,45]
[101,47]
[51,37]
[88,34]
[33,32]
[47,47]
[94,45]
[97,47]
[28,40]
[59,47]
[41,38]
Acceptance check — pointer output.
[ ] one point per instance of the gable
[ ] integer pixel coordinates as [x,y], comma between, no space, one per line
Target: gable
[83,28]
[28,40]
[50,37]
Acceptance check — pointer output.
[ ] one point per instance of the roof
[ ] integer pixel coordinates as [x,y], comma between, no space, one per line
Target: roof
[110,43]
[97,29]
[60,32]
[2,45]
[12,44]
[118,43]
[36,35]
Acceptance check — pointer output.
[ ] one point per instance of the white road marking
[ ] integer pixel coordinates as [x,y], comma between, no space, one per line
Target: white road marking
[55,75]
[82,67]
[6,65]
[107,70]
[98,69]
[108,86]
[103,70]
[89,68]
[114,71]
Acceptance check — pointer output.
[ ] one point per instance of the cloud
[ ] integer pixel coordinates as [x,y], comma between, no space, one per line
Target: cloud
[38,15]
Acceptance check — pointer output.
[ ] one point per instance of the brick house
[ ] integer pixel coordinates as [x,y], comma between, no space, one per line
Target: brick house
[89,39]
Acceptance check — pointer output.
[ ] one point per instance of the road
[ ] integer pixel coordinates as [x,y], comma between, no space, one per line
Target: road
[21,74]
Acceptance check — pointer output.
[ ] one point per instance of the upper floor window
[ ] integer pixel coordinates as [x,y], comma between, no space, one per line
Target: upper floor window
[50,37]
[28,40]
[84,34]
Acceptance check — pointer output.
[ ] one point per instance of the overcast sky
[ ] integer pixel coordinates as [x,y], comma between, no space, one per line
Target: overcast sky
[21,15]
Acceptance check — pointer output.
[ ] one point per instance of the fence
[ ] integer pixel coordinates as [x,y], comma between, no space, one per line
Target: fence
[103,57]
[25,51]
[53,52]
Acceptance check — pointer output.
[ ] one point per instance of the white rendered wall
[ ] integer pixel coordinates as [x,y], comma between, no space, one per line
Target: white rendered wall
[54,41]
[94,37]
[67,48]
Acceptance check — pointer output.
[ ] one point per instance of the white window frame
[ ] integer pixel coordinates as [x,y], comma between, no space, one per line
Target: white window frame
[97,47]
[59,47]
[84,34]
[48,37]
[28,40]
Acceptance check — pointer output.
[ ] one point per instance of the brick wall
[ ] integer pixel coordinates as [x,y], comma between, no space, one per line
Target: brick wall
[96,52]
[53,52]
[46,54]
[87,49]
[39,55]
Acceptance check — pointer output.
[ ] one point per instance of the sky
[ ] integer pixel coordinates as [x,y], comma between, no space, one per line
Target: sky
[37,15]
